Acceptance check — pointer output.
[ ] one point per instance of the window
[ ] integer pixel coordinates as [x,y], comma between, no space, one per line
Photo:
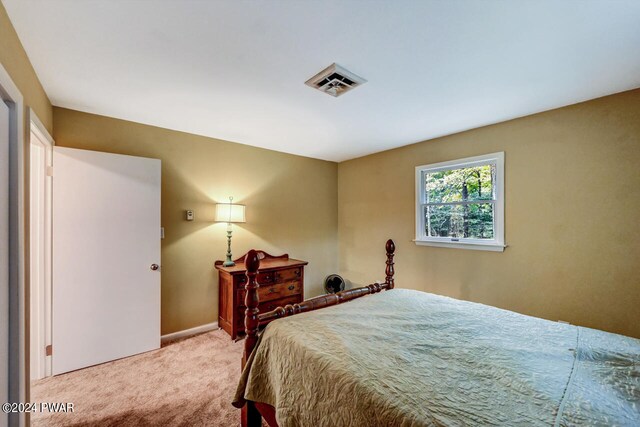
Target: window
[460,203]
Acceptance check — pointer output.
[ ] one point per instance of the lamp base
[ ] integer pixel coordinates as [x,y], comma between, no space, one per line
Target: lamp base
[229,262]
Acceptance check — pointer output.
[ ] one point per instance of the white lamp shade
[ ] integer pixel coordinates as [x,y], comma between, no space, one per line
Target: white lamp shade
[229,212]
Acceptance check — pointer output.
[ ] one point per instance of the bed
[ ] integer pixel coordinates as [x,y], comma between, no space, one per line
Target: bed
[409,358]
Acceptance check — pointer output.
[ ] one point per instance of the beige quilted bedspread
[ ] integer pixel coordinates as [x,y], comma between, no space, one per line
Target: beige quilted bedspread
[408,358]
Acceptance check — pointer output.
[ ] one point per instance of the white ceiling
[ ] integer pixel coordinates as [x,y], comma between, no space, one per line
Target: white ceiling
[235,70]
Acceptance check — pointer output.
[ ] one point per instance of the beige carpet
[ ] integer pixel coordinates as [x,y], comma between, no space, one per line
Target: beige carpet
[186,383]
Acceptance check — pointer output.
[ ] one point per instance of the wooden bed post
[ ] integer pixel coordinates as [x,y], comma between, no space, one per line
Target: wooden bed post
[250,416]
[389,271]
[252,262]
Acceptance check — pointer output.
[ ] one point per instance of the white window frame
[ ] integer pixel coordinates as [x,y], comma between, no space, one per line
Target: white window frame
[495,244]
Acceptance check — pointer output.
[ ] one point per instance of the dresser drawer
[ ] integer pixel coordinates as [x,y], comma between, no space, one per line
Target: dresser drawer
[271,292]
[287,275]
[264,278]
[239,280]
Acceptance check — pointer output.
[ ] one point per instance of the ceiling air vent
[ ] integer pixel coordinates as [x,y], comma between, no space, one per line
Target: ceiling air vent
[335,80]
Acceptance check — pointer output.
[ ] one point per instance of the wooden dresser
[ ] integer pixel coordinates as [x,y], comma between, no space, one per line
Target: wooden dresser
[281,282]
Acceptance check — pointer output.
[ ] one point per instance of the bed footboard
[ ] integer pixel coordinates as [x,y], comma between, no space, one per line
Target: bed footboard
[333,299]
[253,319]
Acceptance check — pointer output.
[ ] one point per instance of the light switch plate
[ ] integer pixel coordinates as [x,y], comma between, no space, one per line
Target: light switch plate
[190,215]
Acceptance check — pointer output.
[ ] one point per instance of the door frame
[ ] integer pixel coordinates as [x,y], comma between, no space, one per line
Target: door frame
[17,369]
[40,248]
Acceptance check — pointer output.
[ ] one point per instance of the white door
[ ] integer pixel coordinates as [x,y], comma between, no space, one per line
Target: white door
[4,258]
[106,249]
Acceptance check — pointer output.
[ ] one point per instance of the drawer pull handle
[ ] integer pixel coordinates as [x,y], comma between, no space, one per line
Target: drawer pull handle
[291,287]
[272,290]
[298,273]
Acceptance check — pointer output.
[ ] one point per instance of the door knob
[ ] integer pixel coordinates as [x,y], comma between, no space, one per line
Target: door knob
[155,267]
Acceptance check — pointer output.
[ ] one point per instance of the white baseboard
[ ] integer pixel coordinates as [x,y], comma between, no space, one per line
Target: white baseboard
[189,332]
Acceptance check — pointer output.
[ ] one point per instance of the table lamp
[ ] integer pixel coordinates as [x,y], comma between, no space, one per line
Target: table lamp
[229,213]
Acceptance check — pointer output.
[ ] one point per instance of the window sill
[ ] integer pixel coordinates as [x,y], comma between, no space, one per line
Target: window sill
[493,247]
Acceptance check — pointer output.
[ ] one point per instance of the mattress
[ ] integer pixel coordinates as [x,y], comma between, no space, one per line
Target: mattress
[409,358]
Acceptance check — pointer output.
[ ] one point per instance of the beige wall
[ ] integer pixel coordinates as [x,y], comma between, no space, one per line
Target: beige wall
[291,206]
[572,204]
[15,60]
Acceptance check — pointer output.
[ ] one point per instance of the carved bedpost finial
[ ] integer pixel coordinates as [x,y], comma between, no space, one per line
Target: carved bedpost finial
[391,248]
[252,263]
